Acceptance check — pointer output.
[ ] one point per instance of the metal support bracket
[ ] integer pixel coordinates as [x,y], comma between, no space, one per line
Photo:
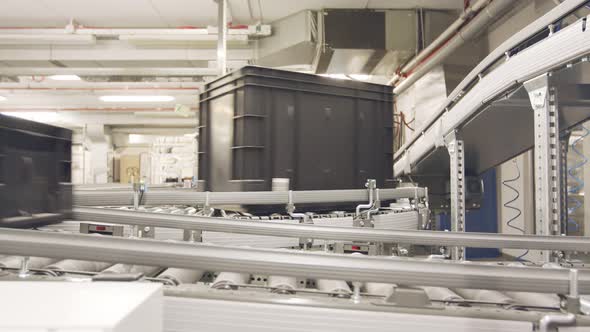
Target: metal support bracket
[192,235]
[207,209]
[547,163]
[290,204]
[457,167]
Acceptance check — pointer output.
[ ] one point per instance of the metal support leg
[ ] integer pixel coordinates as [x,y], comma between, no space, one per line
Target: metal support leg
[457,167]
[547,160]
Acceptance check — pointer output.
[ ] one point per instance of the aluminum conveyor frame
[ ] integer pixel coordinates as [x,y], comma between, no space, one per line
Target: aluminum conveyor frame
[287,263]
[191,197]
[422,237]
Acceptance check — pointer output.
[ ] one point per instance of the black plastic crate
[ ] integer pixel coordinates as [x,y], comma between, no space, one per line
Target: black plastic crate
[35,173]
[258,123]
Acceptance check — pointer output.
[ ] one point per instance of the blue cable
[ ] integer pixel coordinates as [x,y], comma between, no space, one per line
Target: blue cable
[509,206]
[579,181]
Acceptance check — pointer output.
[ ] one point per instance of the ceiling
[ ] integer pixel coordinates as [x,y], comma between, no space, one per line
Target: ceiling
[25,88]
[177,13]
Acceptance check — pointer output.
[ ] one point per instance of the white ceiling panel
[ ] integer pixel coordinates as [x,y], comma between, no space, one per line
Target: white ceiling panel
[177,13]
[110,13]
[29,13]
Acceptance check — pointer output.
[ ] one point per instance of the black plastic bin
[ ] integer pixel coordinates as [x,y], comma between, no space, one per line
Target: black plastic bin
[35,173]
[258,123]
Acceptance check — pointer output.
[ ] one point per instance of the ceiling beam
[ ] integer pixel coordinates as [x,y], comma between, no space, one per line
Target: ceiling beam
[114,50]
[114,71]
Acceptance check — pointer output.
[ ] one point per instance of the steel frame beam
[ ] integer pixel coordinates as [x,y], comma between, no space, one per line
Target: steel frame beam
[547,157]
[484,240]
[457,181]
[288,263]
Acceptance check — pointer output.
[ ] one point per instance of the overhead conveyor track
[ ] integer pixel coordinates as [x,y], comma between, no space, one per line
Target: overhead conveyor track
[492,92]
[288,263]
[485,240]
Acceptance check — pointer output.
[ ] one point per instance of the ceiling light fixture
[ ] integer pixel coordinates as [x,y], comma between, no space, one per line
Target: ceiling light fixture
[2,98]
[136,99]
[65,77]
[360,77]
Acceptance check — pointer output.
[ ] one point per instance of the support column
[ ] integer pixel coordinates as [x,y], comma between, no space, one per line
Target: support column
[546,158]
[457,181]
[222,36]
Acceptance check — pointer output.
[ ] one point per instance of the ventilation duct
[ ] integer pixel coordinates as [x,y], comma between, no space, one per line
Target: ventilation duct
[336,41]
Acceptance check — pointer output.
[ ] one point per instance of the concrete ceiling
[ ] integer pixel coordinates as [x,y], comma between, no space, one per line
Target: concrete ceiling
[77,102]
[177,13]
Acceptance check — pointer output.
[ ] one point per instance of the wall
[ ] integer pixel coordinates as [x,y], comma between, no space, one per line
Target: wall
[422,99]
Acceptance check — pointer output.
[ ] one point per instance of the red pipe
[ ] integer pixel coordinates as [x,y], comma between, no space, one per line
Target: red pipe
[436,50]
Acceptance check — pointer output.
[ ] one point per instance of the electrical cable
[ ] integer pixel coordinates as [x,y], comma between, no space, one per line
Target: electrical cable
[579,181]
[509,205]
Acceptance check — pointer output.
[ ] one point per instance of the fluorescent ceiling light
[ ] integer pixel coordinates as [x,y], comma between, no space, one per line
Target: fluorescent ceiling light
[2,98]
[360,77]
[65,77]
[136,99]
[336,76]
[46,39]
[356,77]
[50,117]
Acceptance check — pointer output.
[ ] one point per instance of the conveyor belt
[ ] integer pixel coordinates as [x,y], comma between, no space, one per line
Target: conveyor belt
[556,14]
[288,263]
[483,240]
[190,197]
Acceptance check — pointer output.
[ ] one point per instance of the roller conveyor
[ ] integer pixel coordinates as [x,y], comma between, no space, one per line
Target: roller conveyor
[181,276]
[78,265]
[216,276]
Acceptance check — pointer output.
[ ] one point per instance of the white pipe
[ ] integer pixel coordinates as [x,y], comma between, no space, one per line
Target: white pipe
[366,206]
[262,30]
[550,321]
[448,33]
[471,29]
